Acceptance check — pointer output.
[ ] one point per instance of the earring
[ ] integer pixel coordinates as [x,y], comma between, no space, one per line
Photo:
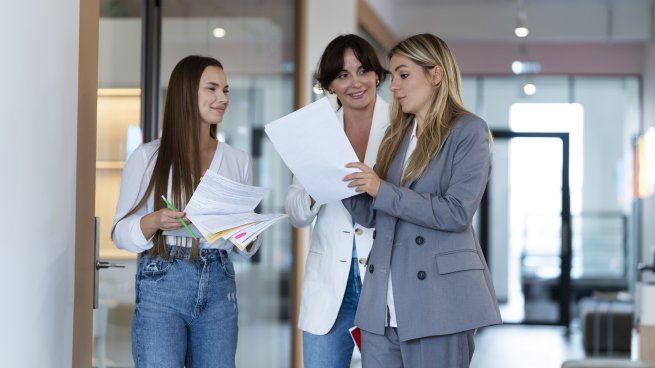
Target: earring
[377,82]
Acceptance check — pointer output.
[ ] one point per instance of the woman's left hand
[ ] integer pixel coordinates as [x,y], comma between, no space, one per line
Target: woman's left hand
[365,181]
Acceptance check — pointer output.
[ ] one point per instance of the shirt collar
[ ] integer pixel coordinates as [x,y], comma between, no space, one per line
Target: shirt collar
[414,129]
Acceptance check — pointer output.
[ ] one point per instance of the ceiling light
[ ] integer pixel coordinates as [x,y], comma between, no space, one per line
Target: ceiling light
[218,32]
[529,89]
[521,31]
[526,67]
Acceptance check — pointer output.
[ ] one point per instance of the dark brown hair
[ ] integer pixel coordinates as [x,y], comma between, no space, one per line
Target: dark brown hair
[179,152]
[331,63]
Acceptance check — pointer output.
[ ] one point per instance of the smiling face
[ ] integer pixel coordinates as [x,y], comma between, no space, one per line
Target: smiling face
[412,86]
[354,85]
[213,95]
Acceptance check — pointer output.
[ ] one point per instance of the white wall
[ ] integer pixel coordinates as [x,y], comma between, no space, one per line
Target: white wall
[38,129]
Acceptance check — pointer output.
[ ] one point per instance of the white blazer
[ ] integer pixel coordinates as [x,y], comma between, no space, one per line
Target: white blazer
[330,251]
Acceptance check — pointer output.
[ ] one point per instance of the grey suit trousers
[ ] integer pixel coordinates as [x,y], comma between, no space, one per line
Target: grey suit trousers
[445,351]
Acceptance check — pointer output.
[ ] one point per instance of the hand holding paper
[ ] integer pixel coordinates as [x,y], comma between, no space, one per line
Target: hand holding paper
[312,143]
[223,208]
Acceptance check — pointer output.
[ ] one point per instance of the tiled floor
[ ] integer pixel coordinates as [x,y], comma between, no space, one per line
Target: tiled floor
[514,346]
[507,346]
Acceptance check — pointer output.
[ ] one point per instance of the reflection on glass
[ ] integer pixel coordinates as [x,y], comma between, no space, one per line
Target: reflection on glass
[118,133]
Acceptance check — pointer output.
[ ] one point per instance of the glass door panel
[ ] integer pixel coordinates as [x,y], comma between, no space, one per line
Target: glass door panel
[118,134]
[525,227]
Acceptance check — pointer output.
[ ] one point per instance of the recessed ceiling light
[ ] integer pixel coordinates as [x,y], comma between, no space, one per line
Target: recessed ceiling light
[218,32]
[521,31]
[529,89]
[526,67]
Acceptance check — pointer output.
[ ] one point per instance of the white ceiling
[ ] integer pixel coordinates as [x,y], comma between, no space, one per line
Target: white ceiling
[574,21]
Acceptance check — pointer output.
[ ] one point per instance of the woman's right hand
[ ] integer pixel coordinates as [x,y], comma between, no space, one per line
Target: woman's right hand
[163,219]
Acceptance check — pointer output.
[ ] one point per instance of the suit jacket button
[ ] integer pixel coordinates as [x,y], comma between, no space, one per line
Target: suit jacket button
[373,234]
[359,231]
[421,275]
[371,268]
[362,260]
[419,240]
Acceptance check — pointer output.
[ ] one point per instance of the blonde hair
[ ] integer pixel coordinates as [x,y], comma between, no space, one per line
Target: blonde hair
[446,107]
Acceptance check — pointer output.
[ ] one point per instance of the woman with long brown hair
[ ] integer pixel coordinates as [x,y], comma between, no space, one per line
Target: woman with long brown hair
[428,286]
[186,309]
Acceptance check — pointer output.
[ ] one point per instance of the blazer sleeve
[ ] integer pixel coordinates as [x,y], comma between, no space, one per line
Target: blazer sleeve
[127,232]
[453,211]
[361,209]
[297,205]
[257,243]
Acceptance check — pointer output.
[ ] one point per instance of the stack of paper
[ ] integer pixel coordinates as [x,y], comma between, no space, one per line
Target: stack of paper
[223,208]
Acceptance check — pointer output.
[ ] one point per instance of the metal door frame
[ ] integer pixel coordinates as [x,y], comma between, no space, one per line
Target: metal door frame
[566,251]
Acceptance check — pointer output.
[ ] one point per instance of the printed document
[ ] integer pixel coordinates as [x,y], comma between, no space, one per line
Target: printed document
[312,143]
[223,208]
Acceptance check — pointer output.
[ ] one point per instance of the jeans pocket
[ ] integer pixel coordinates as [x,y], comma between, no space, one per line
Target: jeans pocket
[154,268]
[228,267]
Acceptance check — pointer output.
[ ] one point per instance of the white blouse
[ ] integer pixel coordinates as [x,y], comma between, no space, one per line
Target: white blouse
[390,304]
[229,162]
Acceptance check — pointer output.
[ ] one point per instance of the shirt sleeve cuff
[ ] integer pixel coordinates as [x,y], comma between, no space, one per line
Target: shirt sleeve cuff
[251,249]
[137,235]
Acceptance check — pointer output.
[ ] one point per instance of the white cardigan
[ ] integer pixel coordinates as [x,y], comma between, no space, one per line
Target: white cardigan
[330,251]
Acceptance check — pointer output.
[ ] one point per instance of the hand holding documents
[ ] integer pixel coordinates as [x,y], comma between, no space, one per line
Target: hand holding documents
[312,143]
[222,208]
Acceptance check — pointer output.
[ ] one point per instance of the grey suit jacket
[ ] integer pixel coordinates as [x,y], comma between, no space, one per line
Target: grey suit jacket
[441,283]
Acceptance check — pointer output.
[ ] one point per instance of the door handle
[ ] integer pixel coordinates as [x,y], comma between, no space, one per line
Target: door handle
[104,264]
[99,264]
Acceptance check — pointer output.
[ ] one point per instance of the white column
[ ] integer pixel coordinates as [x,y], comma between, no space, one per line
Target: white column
[324,21]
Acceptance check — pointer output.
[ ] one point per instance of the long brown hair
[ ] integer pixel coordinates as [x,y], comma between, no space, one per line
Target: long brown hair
[446,106]
[179,149]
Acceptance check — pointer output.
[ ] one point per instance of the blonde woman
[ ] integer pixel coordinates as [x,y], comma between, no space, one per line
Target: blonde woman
[428,287]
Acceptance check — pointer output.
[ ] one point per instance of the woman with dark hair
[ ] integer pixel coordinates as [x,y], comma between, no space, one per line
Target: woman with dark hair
[428,287]
[186,310]
[350,70]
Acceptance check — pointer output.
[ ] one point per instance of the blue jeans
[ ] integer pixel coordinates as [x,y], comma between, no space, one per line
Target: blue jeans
[185,312]
[335,349]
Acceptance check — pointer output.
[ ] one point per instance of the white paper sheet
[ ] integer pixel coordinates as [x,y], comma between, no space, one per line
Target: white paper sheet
[217,194]
[312,143]
[247,235]
[219,204]
[218,223]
